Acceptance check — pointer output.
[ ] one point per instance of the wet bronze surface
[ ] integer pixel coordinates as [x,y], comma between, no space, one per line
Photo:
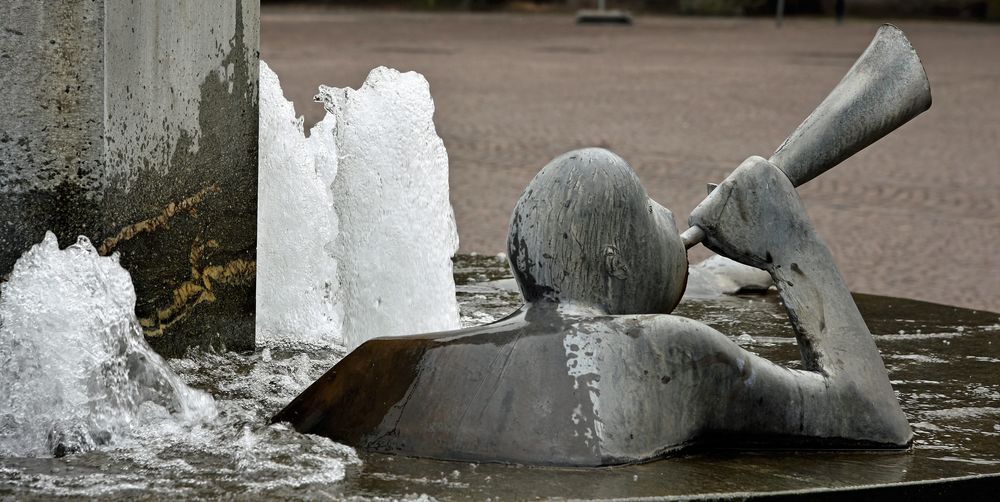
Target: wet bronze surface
[943,362]
[386,370]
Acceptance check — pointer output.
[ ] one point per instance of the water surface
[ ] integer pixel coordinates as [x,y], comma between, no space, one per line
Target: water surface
[944,363]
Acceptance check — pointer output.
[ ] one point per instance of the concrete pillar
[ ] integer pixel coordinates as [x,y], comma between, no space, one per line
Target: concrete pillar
[134,122]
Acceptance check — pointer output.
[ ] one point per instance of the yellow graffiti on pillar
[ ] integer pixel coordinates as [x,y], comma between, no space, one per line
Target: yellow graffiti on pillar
[157,222]
[199,288]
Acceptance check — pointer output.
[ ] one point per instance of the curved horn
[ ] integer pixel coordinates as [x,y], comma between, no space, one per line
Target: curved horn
[884,89]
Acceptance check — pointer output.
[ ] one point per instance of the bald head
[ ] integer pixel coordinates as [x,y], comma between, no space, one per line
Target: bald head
[585,231]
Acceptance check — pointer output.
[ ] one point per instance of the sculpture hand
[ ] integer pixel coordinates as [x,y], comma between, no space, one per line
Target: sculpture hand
[753,215]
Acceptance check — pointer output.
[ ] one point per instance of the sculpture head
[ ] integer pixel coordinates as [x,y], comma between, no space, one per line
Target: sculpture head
[585,231]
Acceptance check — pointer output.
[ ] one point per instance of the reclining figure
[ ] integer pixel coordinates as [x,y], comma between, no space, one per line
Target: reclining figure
[592,370]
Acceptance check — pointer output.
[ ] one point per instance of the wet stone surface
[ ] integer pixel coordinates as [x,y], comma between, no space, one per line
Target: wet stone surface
[943,362]
[137,128]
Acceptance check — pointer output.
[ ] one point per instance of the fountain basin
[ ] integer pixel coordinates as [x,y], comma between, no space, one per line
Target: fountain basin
[943,361]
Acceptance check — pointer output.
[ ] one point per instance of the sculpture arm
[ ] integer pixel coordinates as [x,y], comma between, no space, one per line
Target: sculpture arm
[756,217]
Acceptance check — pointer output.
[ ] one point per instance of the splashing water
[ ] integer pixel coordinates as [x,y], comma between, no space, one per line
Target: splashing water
[298,293]
[237,455]
[76,374]
[355,217]
[397,229]
[75,371]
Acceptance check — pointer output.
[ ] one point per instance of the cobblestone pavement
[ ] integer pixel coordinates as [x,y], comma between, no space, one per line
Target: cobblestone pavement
[685,100]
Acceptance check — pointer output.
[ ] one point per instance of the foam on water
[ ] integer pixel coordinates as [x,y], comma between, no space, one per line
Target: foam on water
[356,231]
[236,452]
[75,371]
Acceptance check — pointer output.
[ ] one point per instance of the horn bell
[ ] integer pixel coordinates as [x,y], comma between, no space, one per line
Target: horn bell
[886,87]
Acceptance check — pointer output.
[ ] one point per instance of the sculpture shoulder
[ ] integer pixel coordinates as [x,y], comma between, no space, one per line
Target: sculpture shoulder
[596,389]
[673,325]
[658,331]
[678,332]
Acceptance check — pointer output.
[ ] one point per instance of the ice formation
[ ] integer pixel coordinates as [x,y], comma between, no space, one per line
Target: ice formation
[378,263]
[75,370]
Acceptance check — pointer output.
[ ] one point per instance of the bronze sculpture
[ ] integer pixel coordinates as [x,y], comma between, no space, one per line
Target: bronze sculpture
[591,370]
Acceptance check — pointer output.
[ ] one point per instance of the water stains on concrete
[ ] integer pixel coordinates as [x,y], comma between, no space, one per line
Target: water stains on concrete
[145,141]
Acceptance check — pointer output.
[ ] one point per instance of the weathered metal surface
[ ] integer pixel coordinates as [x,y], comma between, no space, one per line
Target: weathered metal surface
[584,374]
[884,89]
[585,231]
[587,373]
[943,362]
[755,217]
